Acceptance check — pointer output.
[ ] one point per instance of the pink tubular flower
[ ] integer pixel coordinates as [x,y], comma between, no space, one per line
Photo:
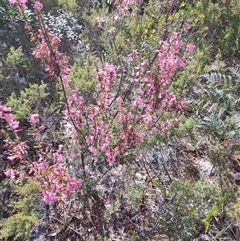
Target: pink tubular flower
[13,124]
[41,166]
[93,150]
[186,25]
[12,1]
[37,6]
[5,112]
[48,196]
[130,2]
[34,119]
[190,48]
[21,3]
[10,173]
[6,109]
[101,20]
[77,184]
[110,71]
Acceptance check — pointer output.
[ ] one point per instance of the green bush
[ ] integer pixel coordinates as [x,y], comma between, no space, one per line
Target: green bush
[188,206]
[22,214]
[14,57]
[82,75]
[217,25]
[29,101]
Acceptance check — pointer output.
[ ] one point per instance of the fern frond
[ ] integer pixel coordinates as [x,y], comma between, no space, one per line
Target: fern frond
[212,124]
[216,77]
[235,122]
[235,71]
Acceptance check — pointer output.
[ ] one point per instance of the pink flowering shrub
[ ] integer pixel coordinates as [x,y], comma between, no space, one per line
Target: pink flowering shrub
[122,119]
[53,178]
[126,111]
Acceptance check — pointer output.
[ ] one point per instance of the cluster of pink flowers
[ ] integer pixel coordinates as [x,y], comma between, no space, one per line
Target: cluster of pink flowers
[55,181]
[17,150]
[47,50]
[127,3]
[125,112]
[6,113]
[34,119]
[117,123]
[23,3]
[37,6]
[121,120]
[49,169]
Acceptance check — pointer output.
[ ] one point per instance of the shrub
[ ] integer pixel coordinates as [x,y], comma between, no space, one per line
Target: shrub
[23,215]
[30,101]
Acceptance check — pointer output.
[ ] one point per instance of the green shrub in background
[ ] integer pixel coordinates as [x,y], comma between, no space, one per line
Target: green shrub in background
[29,101]
[10,67]
[82,75]
[49,4]
[189,204]
[141,32]
[186,126]
[134,193]
[68,4]
[217,27]
[14,57]
[22,214]
[17,71]
[6,11]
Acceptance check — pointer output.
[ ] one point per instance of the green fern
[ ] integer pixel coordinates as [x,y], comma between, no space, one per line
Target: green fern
[235,71]
[216,100]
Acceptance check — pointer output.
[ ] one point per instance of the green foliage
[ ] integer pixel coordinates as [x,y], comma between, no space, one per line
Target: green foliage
[18,225]
[234,208]
[82,75]
[218,27]
[14,57]
[5,12]
[22,217]
[216,98]
[68,4]
[160,187]
[197,66]
[115,39]
[134,193]
[1,72]
[190,203]
[186,126]
[29,101]
[142,31]
[49,4]
[199,197]
[215,209]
